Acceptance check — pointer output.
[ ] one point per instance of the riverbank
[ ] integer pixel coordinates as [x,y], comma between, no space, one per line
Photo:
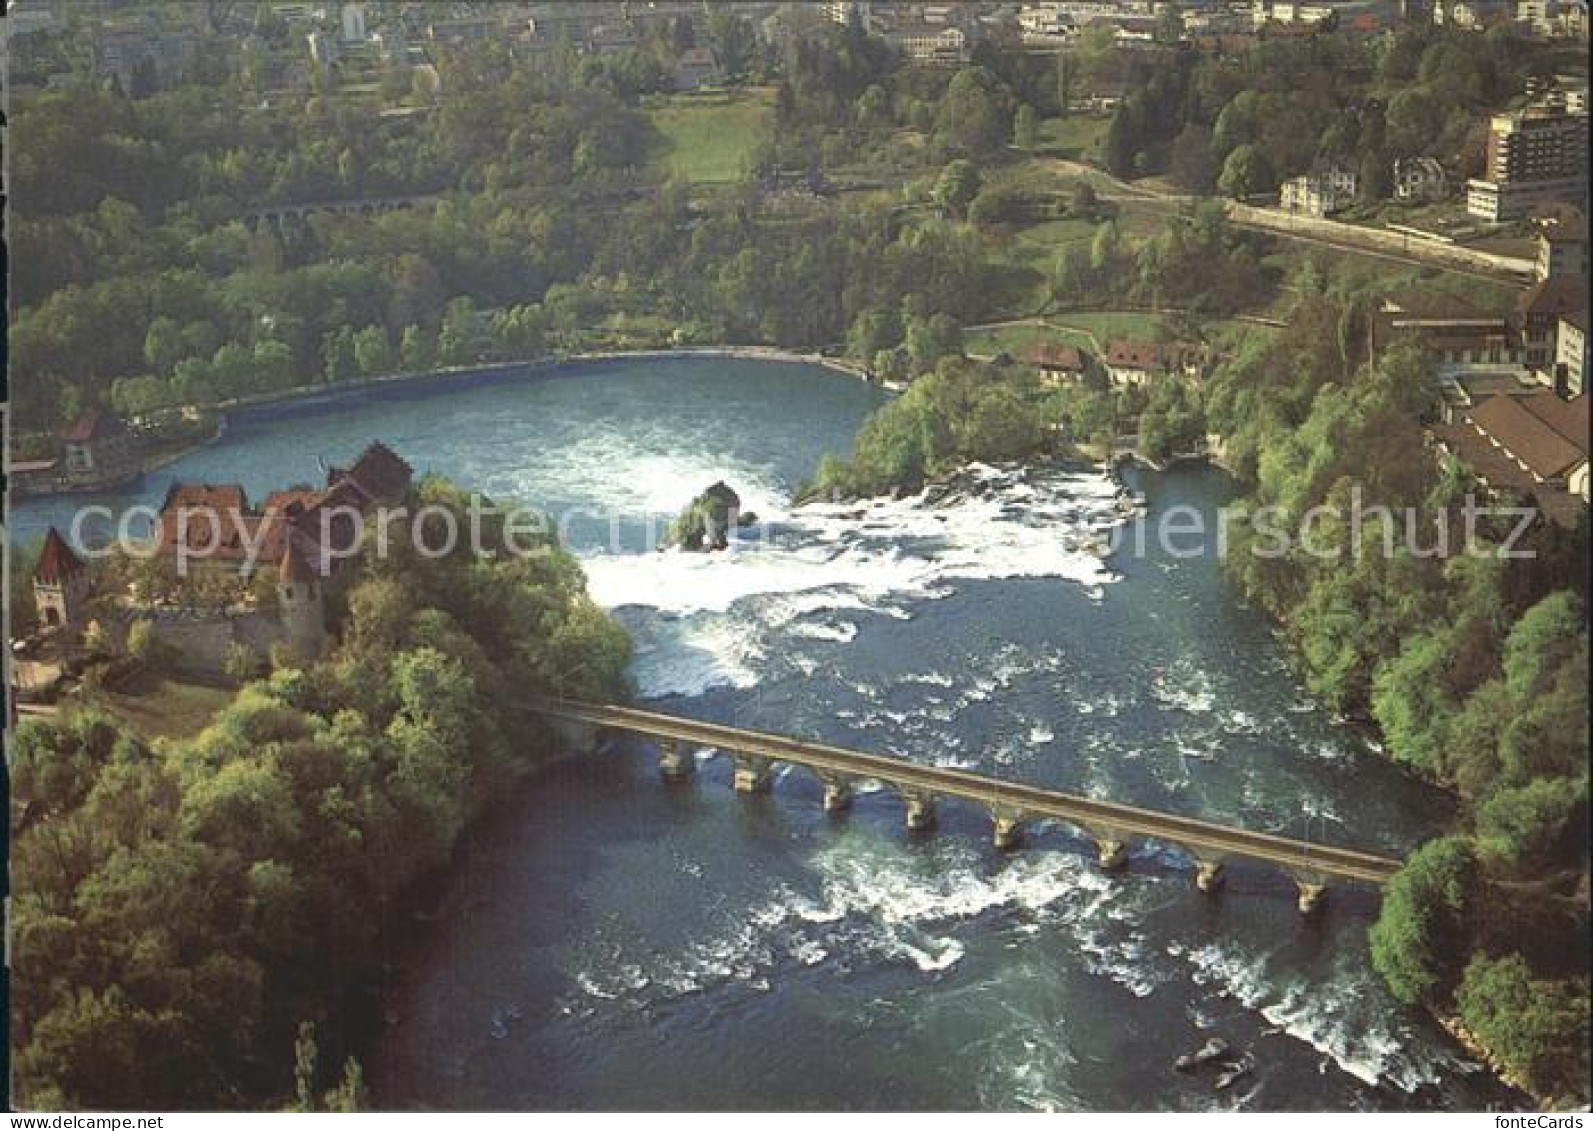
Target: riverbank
[1473,1044]
[332,393]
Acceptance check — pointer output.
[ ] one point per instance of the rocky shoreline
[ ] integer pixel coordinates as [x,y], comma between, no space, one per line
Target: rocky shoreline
[1473,1045]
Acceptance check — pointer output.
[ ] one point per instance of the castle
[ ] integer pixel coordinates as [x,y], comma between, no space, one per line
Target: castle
[299,537]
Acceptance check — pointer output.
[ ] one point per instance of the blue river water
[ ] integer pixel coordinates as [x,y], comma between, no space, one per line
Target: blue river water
[608,942]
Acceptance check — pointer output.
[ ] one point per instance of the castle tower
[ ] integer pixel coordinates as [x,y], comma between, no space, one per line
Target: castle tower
[300,603]
[60,585]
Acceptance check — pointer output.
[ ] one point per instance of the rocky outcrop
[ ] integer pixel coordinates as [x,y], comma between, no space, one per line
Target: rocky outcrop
[706,522]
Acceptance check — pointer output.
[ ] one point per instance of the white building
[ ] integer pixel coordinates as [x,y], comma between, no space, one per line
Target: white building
[929,43]
[353,23]
[1419,179]
[1320,193]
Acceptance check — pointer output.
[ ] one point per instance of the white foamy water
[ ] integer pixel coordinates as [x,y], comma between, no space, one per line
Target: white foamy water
[1346,1019]
[880,901]
[806,562]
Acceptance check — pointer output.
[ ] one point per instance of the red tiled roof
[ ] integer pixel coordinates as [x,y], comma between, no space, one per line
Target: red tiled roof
[198,496]
[1125,354]
[1547,453]
[213,522]
[293,501]
[292,516]
[1570,418]
[1554,296]
[1500,472]
[57,562]
[1432,304]
[378,474]
[94,424]
[1049,355]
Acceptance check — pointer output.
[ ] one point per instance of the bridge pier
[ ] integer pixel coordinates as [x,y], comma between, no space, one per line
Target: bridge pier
[1311,897]
[752,774]
[837,793]
[920,810]
[1006,829]
[675,762]
[1208,875]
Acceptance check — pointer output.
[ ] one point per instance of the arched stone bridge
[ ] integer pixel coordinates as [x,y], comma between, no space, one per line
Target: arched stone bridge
[1010,804]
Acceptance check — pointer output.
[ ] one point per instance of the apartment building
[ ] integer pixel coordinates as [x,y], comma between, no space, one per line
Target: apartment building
[1535,157]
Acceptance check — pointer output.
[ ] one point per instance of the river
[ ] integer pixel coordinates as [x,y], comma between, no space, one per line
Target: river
[607,942]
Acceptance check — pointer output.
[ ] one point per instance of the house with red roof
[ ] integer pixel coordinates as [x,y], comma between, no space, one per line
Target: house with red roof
[1130,362]
[211,527]
[1533,445]
[99,452]
[1057,364]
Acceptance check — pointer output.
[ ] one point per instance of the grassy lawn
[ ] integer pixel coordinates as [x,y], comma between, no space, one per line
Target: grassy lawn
[709,136]
[1074,136]
[1037,246]
[1089,329]
[1391,275]
[1012,339]
[165,707]
[1108,324]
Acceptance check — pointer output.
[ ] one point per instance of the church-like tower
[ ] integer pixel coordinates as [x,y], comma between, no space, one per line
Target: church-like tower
[301,603]
[60,585]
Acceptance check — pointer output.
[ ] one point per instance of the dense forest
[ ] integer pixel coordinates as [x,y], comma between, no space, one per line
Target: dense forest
[185,891]
[205,921]
[142,279]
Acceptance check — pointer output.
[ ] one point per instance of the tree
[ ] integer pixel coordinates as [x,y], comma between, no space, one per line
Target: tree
[929,340]
[1193,163]
[873,331]
[1064,81]
[1246,173]
[1025,128]
[1085,202]
[1537,823]
[1104,247]
[973,115]
[337,352]
[372,352]
[959,183]
[1125,138]
[243,663]
[1537,1027]
[417,351]
[1071,277]
[163,345]
[1420,937]
[1412,120]
[456,341]
[732,40]
[146,647]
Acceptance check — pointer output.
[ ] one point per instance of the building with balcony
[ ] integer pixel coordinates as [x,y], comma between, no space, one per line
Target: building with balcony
[1535,157]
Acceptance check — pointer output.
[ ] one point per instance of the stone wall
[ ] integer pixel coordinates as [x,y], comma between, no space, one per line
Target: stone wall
[201,643]
[1382,240]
